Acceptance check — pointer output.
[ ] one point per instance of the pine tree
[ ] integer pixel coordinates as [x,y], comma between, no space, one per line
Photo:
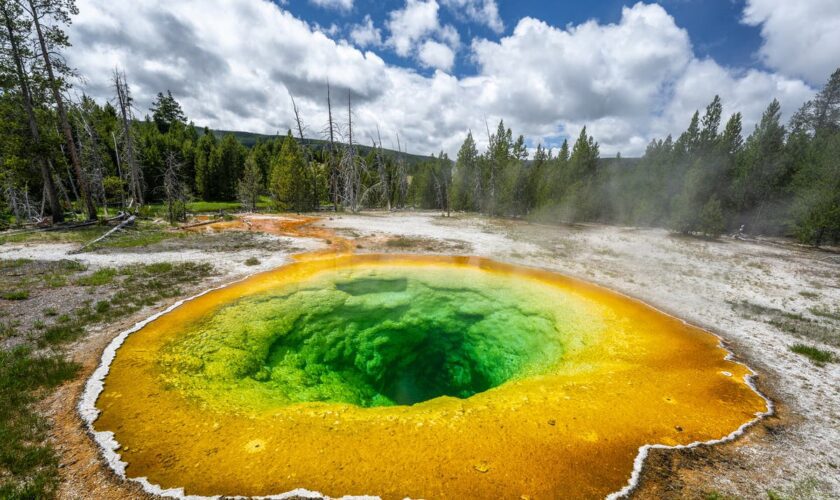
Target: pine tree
[762,175]
[250,185]
[226,165]
[204,175]
[289,184]
[166,111]
[466,185]
[821,114]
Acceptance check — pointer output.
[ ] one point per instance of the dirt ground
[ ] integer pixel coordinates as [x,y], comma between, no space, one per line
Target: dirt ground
[759,296]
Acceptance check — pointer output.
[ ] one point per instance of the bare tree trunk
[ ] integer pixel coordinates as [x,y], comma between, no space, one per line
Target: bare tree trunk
[119,171]
[135,182]
[383,172]
[492,180]
[307,154]
[97,169]
[60,186]
[46,175]
[62,116]
[350,176]
[332,167]
[402,178]
[173,189]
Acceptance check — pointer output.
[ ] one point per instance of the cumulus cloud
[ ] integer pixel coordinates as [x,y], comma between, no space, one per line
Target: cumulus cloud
[628,81]
[484,12]
[436,55]
[417,20]
[416,31]
[334,4]
[801,38]
[366,34]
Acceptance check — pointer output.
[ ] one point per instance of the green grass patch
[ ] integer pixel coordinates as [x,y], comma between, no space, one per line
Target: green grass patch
[54,280]
[809,295]
[405,242]
[716,495]
[99,277]
[159,209]
[400,242]
[136,287]
[252,261]
[15,295]
[78,235]
[28,464]
[8,329]
[62,332]
[13,263]
[143,235]
[815,354]
[145,285]
[198,207]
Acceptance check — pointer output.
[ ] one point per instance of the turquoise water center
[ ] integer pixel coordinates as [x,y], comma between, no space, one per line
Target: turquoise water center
[377,336]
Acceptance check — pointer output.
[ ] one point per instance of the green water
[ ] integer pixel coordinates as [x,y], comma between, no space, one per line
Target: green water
[374,338]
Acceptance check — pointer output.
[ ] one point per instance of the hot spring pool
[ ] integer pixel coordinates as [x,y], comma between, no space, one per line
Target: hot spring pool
[412,376]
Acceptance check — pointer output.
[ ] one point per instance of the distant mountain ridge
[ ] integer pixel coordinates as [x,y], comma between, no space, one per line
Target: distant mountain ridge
[248,139]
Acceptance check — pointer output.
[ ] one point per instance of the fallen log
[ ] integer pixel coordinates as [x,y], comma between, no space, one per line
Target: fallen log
[62,227]
[198,224]
[121,225]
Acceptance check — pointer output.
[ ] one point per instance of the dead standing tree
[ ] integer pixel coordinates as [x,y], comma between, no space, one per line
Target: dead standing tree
[351,166]
[129,156]
[401,176]
[89,149]
[332,164]
[174,189]
[383,185]
[62,12]
[20,204]
[442,176]
[307,154]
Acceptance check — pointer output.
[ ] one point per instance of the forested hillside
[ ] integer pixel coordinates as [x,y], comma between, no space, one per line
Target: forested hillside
[65,158]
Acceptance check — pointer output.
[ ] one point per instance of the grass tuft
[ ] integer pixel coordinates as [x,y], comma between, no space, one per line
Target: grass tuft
[252,261]
[403,242]
[13,263]
[15,295]
[815,354]
[99,277]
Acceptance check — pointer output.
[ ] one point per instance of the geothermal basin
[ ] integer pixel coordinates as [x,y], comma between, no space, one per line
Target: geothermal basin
[410,376]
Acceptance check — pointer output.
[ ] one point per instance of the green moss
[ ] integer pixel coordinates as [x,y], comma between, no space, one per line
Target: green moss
[375,338]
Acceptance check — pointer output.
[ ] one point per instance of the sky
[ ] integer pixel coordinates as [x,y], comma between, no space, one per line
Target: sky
[427,72]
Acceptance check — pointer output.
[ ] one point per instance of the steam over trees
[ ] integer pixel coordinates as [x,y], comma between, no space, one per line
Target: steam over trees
[76,157]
